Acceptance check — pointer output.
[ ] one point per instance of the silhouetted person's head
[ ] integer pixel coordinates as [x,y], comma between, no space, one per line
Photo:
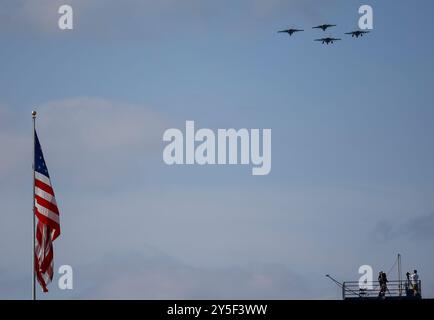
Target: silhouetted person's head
[415,271]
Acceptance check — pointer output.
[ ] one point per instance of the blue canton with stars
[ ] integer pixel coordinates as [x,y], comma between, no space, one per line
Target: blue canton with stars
[40,165]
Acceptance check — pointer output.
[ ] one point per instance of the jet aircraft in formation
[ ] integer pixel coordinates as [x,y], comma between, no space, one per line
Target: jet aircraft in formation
[358,33]
[327,40]
[324,27]
[290,32]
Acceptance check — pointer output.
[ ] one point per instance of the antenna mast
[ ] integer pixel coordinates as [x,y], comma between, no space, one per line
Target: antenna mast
[399,274]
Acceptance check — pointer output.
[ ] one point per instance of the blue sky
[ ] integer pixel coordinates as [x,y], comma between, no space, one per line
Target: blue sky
[352,126]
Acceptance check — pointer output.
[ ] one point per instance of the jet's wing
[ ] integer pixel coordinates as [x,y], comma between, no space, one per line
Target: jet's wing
[349,32]
[319,40]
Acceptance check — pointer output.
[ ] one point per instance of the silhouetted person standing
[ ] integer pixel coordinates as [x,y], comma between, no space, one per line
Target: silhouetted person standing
[382,279]
[415,283]
[408,292]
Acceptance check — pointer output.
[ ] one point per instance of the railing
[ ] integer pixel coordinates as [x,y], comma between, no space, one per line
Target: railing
[404,289]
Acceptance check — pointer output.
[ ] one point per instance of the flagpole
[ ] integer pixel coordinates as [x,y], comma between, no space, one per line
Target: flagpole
[33,210]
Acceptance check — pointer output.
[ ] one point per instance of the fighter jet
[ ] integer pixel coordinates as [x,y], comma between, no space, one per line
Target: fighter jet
[357,33]
[327,40]
[290,32]
[324,27]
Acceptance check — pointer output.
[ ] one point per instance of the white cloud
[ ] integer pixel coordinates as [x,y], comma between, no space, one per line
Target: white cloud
[118,19]
[86,137]
[99,125]
[102,15]
[93,140]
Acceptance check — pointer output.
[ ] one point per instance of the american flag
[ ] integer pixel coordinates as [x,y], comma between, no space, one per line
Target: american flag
[48,224]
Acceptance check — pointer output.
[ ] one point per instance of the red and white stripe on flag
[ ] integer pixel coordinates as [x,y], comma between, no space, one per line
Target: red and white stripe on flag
[48,225]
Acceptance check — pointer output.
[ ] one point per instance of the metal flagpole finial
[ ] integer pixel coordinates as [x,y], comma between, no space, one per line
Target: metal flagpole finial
[34,114]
